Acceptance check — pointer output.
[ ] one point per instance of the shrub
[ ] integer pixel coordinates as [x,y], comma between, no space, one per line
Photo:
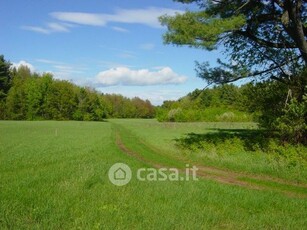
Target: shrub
[175,115]
[292,124]
[228,116]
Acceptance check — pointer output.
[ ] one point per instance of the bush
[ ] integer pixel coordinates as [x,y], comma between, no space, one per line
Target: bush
[211,114]
[292,124]
[228,116]
[281,107]
[175,115]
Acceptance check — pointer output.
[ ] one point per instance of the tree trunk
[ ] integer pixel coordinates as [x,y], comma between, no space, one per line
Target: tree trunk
[295,27]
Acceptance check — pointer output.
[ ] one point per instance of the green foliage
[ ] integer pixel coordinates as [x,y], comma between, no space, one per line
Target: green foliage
[266,99]
[265,40]
[293,122]
[278,110]
[198,29]
[5,84]
[90,106]
[61,100]
[221,103]
[40,97]
[211,114]
[272,103]
[5,77]
[16,98]
[224,143]
[122,107]
[260,37]
[175,115]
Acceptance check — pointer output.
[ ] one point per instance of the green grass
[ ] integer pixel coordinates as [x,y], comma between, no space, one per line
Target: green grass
[278,186]
[54,176]
[214,144]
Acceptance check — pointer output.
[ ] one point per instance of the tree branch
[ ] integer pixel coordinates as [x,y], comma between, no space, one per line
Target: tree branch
[279,3]
[265,42]
[266,17]
[241,7]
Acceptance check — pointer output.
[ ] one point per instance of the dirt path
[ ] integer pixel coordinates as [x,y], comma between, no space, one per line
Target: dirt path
[222,175]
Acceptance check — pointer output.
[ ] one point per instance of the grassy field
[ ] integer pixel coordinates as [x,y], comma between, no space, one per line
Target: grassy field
[54,175]
[236,146]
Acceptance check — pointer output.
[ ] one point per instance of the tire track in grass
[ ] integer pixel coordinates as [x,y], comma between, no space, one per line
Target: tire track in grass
[246,180]
[242,175]
[133,154]
[203,172]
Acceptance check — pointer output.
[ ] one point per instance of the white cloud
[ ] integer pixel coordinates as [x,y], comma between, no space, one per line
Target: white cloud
[67,71]
[126,55]
[141,77]
[148,17]
[120,29]
[155,94]
[147,46]
[23,63]
[36,29]
[46,61]
[80,18]
[61,70]
[57,27]
[157,97]
[49,28]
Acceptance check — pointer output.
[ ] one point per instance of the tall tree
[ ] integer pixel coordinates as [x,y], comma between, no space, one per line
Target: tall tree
[263,38]
[16,100]
[5,76]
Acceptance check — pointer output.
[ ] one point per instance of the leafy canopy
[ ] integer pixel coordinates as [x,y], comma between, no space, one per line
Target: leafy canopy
[262,38]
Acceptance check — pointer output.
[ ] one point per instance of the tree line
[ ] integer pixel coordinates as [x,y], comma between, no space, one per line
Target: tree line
[269,103]
[219,103]
[31,96]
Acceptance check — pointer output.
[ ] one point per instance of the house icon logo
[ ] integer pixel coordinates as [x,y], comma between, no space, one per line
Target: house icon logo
[119,174]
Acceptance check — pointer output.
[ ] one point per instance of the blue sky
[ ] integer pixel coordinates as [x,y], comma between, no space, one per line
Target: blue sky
[114,46]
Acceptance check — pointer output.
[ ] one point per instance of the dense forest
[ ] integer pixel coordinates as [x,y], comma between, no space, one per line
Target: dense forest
[31,96]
